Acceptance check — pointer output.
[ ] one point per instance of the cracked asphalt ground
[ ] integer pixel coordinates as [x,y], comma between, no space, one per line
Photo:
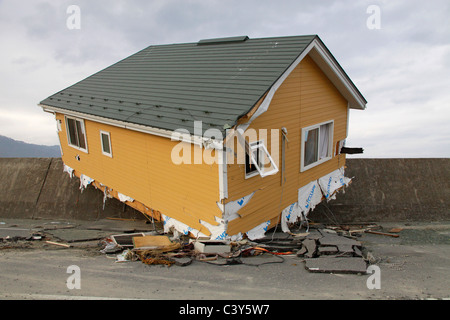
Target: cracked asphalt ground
[415,265]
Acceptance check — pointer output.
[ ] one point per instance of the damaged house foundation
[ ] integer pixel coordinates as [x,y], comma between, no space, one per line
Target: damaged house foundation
[223,138]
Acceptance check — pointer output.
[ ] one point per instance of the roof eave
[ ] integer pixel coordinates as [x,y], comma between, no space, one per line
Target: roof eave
[329,65]
[173,135]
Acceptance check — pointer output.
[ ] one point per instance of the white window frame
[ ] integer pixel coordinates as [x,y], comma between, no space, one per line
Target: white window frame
[83,128]
[109,141]
[260,147]
[330,145]
[255,172]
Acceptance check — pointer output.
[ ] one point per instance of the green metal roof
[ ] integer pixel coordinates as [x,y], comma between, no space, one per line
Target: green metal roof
[215,81]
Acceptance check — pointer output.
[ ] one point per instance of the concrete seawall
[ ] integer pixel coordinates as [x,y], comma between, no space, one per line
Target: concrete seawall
[38,188]
[382,190]
[391,190]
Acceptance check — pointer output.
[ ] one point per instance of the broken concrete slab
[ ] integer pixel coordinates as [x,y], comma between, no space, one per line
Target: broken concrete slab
[327,250]
[334,240]
[112,229]
[327,231]
[119,226]
[345,250]
[77,235]
[301,252]
[336,265]
[15,233]
[54,225]
[314,235]
[357,252]
[310,246]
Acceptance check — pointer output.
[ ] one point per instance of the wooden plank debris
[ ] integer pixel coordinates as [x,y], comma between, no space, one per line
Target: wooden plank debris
[382,233]
[58,244]
[151,242]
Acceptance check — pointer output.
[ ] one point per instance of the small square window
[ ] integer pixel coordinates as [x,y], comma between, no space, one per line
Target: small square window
[106,143]
[76,133]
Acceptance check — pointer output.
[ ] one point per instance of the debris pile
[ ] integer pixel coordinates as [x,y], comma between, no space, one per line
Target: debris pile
[327,251]
[323,249]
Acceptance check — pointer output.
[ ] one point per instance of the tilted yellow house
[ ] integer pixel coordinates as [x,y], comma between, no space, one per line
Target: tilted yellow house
[219,138]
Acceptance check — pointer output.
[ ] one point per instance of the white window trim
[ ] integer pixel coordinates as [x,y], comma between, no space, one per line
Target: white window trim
[261,147]
[330,146]
[109,140]
[254,173]
[68,134]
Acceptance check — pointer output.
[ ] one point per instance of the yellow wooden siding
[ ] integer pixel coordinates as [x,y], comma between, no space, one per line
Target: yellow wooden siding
[305,98]
[141,168]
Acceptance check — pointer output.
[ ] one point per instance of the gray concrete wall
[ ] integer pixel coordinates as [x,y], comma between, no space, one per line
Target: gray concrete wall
[391,190]
[38,188]
[382,190]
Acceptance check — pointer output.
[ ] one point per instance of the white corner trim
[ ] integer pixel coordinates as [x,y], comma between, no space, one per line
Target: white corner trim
[223,174]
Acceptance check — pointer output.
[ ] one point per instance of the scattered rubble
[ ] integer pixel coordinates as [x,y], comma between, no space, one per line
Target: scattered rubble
[332,249]
[323,248]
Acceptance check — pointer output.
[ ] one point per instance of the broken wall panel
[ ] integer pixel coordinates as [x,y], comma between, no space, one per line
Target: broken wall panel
[333,182]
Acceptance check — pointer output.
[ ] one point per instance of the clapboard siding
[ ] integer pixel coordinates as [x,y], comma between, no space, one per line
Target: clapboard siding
[305,98]
[141,168]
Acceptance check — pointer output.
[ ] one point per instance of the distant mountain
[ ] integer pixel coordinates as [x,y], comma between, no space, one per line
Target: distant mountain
[10,148]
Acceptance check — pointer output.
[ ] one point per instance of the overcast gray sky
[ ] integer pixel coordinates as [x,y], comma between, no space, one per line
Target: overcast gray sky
[402,66]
